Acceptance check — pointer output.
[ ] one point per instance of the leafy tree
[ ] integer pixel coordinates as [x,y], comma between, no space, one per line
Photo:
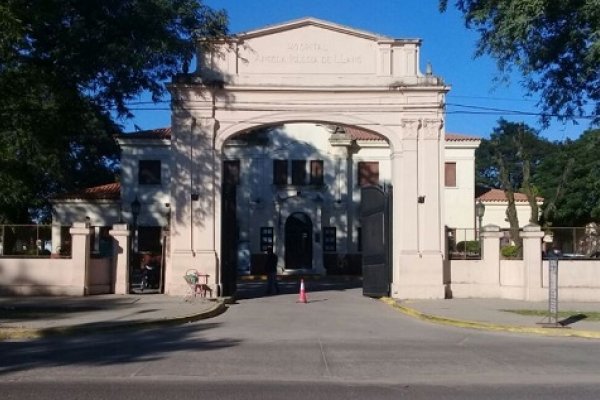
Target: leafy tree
[554,44]
[509,161]
[570,179]
[67,71]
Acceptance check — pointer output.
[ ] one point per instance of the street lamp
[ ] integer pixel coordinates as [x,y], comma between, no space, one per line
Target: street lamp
[135,212]
[480,211]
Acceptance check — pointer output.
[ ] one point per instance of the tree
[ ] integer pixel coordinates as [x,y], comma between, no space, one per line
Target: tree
[67,72]
[554,44]
[509,161]
[570,180]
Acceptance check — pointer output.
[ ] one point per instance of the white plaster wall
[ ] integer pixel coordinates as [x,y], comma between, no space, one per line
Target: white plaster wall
[459,201]
[153,198]
[100,212]
[584,274]
[495,214]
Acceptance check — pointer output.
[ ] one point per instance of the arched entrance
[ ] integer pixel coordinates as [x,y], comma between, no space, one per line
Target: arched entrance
[298,242]
[307,71]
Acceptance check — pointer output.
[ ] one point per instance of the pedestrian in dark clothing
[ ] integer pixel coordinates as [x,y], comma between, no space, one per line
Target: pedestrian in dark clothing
[271,270]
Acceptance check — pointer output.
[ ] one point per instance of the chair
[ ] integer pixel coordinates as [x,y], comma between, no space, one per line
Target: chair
[198,283]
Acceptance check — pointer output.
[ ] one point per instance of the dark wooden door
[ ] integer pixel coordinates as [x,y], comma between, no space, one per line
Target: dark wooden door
[298,242]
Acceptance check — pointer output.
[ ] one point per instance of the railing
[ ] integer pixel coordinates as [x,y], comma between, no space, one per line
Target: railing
[28,241]
[463,244]
[578,243]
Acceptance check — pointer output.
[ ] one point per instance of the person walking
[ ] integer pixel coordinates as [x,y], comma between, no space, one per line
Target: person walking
[271,270]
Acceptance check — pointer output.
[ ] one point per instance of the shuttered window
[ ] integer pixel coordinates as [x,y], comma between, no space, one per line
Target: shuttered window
[316,172]
[368,173]
[450,174]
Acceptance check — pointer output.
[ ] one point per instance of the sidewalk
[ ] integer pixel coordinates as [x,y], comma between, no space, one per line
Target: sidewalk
[33,317]
[492,314]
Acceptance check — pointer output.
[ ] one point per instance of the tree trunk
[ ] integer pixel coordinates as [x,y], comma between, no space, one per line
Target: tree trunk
[511,210]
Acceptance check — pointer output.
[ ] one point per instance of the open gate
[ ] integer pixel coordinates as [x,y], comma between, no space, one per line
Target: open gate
[375,218]
[229,228]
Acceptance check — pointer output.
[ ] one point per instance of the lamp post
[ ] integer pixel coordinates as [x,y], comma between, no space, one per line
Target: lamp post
[135,212]
[479,211]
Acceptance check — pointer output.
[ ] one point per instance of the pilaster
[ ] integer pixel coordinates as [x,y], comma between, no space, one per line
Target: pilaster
[196,194]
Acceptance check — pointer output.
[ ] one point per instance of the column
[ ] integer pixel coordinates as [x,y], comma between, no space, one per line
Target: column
[120,234]
[490,257]
[80,256]
[532,261]
[56,239]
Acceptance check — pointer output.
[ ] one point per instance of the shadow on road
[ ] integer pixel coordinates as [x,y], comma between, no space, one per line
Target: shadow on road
[107,349]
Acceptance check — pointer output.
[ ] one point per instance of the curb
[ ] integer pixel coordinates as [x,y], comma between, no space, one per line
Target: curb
[23,333]
[489,326]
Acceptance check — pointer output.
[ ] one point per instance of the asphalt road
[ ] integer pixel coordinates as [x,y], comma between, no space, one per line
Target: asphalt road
[340,345]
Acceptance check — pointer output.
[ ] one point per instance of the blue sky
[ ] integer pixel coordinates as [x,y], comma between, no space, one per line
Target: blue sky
[447,44]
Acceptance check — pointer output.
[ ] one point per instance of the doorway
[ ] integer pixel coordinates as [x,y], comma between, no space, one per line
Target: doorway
[298,242]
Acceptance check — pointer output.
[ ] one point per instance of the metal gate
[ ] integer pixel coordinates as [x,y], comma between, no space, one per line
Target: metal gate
[375,217]
[229,235]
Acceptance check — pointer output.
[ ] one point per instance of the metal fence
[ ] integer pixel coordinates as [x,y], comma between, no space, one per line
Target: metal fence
[463,244]
[30,241]
[574,242]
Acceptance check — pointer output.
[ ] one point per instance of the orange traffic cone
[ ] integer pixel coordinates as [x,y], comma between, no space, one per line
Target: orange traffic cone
[302,298]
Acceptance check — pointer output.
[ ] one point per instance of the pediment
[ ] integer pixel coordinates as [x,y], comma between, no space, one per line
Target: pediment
[311,22]
[309,52]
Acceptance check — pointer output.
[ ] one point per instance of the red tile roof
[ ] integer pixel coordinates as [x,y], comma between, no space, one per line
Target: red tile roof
[453,137]
[110,191]
[498,195]
[359,134]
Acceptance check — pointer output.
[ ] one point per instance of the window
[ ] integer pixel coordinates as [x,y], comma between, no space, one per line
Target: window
[359,239]
[329,239]
[316,172]
[368,173]
[298,172]
[280,174]
[450,174]
[149,172]
[266,237]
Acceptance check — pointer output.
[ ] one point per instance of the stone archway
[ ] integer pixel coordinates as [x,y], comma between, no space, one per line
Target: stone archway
[310,70]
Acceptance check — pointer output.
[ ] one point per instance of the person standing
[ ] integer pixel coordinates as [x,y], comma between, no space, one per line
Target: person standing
[271,270]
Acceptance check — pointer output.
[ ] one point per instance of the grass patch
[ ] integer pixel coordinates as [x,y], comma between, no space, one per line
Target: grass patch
[589,315]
